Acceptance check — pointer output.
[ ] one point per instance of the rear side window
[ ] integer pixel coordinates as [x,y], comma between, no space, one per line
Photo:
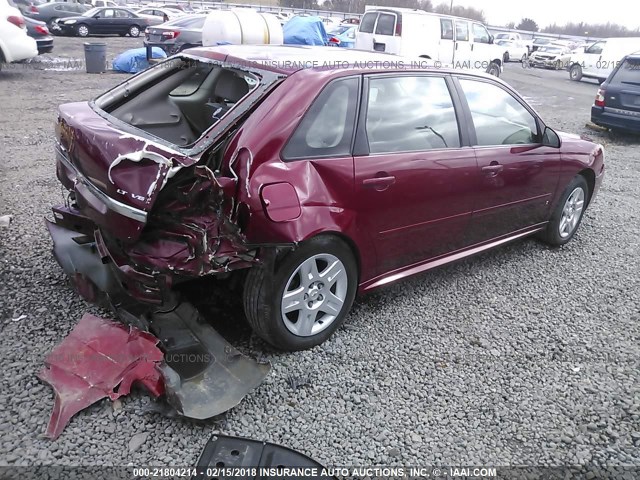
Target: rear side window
[629,72]
[386,24]
[327,128]
[368,21]
[446,29]
[462,31]
[410,113]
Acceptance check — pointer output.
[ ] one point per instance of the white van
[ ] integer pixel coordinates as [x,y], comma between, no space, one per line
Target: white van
[447,40]
[600,58]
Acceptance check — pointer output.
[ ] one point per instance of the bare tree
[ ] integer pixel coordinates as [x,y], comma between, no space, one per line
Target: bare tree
[460,11]
[602,30]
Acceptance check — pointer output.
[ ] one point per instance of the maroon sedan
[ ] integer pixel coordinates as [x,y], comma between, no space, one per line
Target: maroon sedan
[310,173]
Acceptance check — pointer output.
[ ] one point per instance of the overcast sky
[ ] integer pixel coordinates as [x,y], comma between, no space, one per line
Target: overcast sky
[545,12]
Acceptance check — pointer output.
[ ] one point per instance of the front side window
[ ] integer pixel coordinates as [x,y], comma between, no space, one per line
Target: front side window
[446,29]
[386,24]
[596,48]
[410,113]
[327,128]
[498,118]
[480,34]
[462,31]
[368,21]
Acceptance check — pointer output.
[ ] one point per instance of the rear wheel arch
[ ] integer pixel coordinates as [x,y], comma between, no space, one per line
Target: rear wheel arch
[348,241]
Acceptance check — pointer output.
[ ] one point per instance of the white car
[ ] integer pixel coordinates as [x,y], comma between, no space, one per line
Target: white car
[15,44]
[600,58]
[514,50]
[158,15]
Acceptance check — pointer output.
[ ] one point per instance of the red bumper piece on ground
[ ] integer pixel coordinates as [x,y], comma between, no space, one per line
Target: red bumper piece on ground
[99,359]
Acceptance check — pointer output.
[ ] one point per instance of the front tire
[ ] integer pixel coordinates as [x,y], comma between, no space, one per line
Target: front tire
[567,216]
[307,296]
[575,73]
[82,30]
[134,31]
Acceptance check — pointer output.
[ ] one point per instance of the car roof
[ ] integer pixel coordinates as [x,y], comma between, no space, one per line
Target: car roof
[288,59]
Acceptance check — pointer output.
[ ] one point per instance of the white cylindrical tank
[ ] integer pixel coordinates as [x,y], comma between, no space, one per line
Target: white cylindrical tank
[241,26]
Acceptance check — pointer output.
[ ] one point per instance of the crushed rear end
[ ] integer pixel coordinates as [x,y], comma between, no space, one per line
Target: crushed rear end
[150,205]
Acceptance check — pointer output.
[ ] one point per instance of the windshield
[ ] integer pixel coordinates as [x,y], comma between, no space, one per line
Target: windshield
[551,49]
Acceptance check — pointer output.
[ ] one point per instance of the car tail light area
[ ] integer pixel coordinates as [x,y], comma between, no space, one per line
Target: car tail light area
[170,35]
[17,20]
[334,40]
[34,9]
[41,29]
[599,102]
[398,31]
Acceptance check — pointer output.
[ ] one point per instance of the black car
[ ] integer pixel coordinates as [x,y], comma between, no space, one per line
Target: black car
[40,32]
[617,103]
[51,12]
[104,21]
[177,35]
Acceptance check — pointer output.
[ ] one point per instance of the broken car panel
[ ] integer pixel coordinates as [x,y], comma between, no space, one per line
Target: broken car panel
[99,359]
[315,173]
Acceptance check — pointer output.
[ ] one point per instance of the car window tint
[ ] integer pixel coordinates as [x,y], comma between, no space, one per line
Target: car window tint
[386,24]
[327,128]
[462,31]
[446,29]
[480,34]
[410,113]
[368,21]
[498,118]
[122,14]
[629,72]
[109,13]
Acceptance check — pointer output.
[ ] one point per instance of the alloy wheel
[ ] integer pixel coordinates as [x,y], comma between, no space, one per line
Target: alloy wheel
[571,212]
[314,295]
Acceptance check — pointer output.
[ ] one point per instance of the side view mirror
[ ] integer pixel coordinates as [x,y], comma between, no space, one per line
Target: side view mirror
[585,49]
[491,38]
[550,138]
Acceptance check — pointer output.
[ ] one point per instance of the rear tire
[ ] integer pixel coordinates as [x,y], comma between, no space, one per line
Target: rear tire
[316,283]
[494,69]
[134,31]
[575,73]
[567,215]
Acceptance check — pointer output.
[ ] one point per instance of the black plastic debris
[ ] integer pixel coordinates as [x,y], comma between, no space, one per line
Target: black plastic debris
[234,457]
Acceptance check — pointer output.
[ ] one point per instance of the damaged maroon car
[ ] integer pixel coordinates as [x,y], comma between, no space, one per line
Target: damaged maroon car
[310,173]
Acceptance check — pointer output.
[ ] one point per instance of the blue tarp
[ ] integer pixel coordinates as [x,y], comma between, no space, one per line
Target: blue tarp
[305,31]
[135,60]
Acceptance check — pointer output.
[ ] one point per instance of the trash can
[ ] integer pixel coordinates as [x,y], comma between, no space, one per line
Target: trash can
[95,57]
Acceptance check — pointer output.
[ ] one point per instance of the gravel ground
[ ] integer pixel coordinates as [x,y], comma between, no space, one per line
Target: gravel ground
[524,355]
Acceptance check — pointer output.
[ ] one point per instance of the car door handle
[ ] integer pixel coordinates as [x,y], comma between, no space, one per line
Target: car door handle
[379,183]
[493,169]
